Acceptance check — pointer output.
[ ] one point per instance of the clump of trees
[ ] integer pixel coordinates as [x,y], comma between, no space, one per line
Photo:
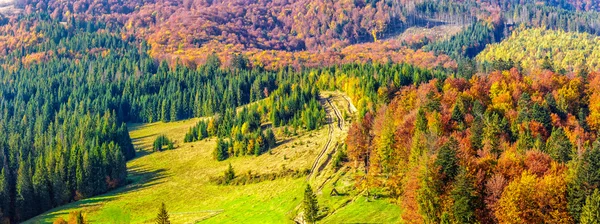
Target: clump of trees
[255,143]
[160,142]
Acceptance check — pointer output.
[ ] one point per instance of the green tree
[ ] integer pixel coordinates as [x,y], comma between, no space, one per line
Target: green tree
[229,174]
[428,196]
[161,141]
[447,160]
[220,152]
[310,205]
[587,179]
[591,210]
[163,215]
[25,206]
[4,194]
[465,199]
[547,64]
[421,122]
[559,146]
[40,186]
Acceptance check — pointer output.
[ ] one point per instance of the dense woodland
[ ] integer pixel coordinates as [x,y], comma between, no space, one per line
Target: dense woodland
[555,50]
[472,150]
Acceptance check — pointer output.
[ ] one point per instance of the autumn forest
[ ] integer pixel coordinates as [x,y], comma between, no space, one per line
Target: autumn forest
[279,111]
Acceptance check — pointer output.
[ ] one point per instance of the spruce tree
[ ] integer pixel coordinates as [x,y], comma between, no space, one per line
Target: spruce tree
[421,122]
[591,210]
[311,207]
[4,194]
[220,152]
[464,198]
[229,174]
[25,206]
[163,215]
[447,160]
[558,146]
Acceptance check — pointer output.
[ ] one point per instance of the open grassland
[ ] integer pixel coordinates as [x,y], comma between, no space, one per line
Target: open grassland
[181,179]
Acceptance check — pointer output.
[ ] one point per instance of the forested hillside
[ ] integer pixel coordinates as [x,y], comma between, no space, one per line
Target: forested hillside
[459,150]
[451,127]
[555,50]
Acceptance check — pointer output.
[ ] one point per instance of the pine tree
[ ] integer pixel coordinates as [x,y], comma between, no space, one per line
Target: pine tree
[457,116]
[447,160]
[163,215]
[464,198]
[4,194]
[587,176]
[229,174]
[220,152]
[25,207]
[591,210]
[559,146]
[428,196]
[40,186]
[421,122]
[311,207]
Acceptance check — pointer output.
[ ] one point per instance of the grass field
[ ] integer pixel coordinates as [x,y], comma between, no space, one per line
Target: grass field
[180,179]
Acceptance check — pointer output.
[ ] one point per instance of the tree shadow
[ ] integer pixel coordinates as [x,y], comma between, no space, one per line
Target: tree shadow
[139,143]
[139,153]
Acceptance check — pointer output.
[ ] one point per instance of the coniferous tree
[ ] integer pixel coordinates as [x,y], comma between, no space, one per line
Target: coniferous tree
[310,205]
[590,212]
[4,194]
[163,215]
[464,198]
[229,174]
[25,206]
[447,160]
[220,152]
[40,186]
[587,178]
[559,146]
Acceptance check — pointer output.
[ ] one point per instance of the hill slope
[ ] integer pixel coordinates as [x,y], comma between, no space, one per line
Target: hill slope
[565,50]
[181,179]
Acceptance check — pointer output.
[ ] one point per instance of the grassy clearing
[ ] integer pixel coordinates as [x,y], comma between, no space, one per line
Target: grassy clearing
[180,179]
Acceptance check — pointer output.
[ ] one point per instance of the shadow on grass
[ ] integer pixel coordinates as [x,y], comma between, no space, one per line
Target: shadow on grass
[138,178]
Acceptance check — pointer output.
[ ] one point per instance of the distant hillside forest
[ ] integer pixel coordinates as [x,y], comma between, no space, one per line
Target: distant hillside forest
[275,34]
[555,50]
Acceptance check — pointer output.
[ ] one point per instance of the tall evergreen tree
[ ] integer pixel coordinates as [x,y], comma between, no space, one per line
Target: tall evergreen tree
[229,174]
[163,215]
[310,205]
[25,206]
[591,210]
[41,186]
[559,146]
[4,194]
[447,160]
[465,200]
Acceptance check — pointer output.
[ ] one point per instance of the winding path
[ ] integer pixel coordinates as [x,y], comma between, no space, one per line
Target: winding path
[329,136]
